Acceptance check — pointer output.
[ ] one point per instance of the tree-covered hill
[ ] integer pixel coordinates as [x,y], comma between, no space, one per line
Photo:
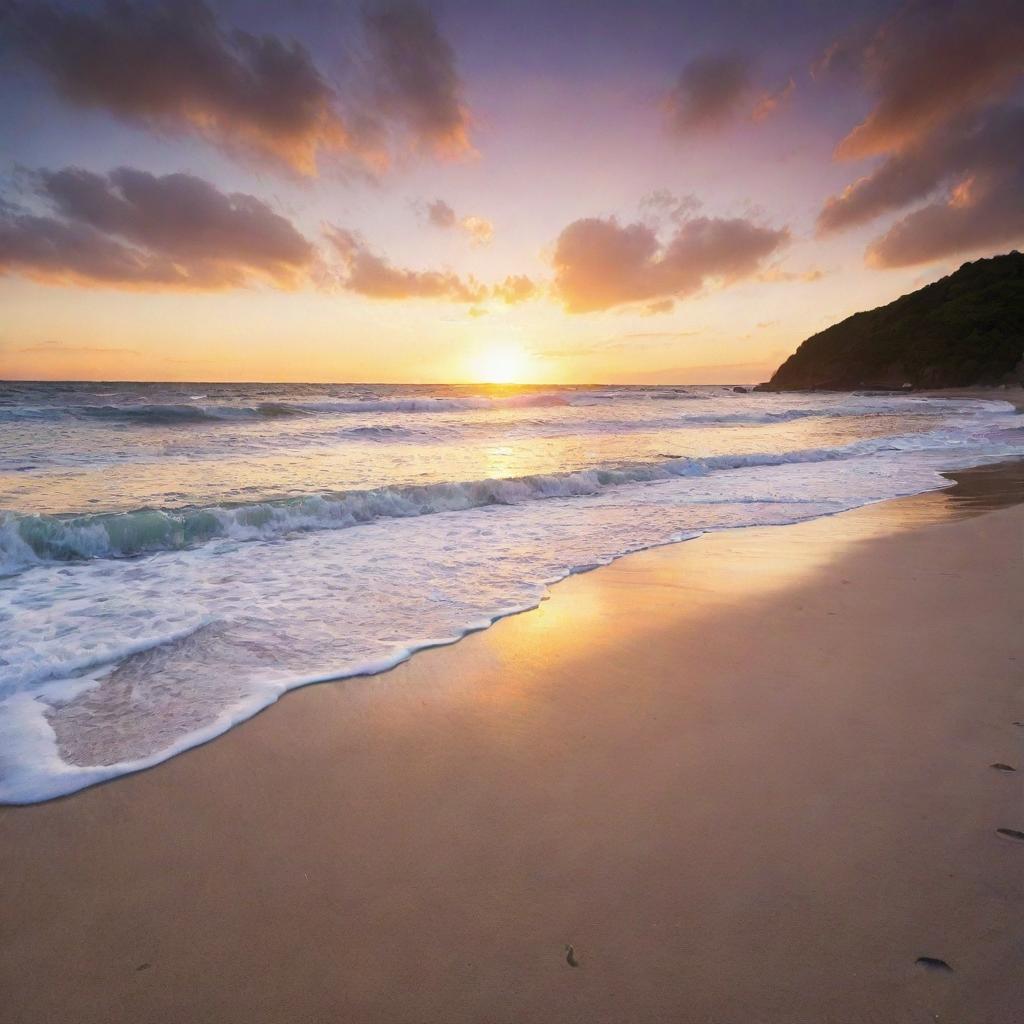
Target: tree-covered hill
[966,329]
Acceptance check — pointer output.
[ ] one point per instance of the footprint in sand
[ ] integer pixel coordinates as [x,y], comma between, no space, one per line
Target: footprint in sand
[570,957]
[1011,833]
[999,766]
[933,963]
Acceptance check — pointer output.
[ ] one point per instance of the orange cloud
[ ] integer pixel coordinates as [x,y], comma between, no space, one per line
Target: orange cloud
[600,264]
[171,66]
[769,102]
[986,146]
[774,275]
[441,215]
[941,75]
[368,274]
[977,217]
[479,229]
[417,82]
[134,229]
[515,289]
[929,64]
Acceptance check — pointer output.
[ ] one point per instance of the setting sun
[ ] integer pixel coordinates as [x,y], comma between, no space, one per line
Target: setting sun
[501,364]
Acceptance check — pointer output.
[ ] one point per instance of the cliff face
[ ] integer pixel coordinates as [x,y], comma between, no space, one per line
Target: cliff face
[966,329]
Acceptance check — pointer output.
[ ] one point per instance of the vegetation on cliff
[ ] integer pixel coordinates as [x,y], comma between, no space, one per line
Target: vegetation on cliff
[963,330]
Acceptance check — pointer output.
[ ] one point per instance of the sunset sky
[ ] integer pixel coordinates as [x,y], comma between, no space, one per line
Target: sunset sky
[547,191]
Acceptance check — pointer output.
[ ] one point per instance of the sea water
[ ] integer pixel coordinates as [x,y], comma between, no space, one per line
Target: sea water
[173,558]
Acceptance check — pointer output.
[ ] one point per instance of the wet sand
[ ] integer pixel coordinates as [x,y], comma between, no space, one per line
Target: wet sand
[748,778]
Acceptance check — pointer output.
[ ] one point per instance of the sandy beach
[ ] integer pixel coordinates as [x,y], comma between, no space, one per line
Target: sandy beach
[747,778]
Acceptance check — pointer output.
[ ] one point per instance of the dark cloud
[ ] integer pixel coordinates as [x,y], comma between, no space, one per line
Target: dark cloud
[417,82]
[986,147]
[714,89]
[927,65]
[600,264]
[942,74]
[982,213]
[366,273]
[131,228]
[711,89]
[440,214]
[171,65]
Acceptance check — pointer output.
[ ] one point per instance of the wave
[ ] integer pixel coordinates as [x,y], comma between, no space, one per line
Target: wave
[908,407]
[172,414]
[184,413]
[27,540]
[195,412]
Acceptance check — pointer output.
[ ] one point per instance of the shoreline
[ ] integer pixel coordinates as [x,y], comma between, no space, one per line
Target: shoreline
[646,766]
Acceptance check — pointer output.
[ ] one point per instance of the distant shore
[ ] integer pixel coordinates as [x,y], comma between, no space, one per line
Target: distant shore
[746,778]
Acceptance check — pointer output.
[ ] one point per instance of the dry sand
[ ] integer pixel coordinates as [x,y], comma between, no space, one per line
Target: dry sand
[746,777]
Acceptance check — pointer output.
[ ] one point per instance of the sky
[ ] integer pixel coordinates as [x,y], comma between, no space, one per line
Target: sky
[567,191]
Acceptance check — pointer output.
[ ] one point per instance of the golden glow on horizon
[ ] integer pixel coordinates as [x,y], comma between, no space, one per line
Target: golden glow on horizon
[501,364]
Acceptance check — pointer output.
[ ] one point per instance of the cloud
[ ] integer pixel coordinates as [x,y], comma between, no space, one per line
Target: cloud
[479,229]
[131,228]
[600,264]
[979,214]
[709,92]
[972,171]
[515,289]
[662,204]
[714,89]
[171,66]
[441,215]
[988,146]
[929,64]
[776,275]
[769,102]
[416,79]
[366,273]
[941,74]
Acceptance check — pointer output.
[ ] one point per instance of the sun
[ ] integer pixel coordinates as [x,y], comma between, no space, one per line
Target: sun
[501,364]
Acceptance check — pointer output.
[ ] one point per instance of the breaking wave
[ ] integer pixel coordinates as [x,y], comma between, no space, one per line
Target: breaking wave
[27,540]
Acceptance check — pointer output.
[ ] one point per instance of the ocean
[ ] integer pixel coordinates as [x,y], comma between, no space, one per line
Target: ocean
[175,557]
